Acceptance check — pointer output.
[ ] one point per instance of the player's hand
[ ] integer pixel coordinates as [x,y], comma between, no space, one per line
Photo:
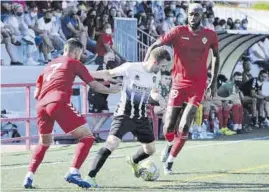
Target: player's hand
[212,87]
[113,81]
[115,88]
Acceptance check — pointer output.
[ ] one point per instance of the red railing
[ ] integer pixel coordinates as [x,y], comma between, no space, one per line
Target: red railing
[28,137]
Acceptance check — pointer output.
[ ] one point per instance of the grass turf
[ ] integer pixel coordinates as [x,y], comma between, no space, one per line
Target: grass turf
[232,164]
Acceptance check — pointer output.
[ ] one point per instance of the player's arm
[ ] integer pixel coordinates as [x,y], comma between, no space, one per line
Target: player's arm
[108,74]
[257,95]
[166,39]
[84,74]
[215,65]
[156,96]
[38,86]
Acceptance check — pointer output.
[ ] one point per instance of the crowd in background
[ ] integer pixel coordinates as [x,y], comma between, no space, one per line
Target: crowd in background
[44,26]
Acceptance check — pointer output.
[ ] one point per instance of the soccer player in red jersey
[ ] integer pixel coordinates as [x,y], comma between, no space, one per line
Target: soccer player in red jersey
[53,93]
[191,45]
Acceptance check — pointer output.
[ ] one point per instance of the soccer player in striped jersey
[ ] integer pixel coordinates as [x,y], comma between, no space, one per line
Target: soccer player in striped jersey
[138,85]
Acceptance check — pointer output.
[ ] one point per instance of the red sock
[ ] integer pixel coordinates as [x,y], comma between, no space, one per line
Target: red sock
[82,151]
[241,114]
[169,136]
[226,115]
[235,110]
[220,117]
[37,157]
[179,142]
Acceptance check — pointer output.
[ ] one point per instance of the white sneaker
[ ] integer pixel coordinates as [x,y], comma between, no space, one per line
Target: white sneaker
[31,61]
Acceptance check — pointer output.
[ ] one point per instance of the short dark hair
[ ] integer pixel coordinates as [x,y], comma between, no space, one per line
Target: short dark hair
[167,73]
[161,53]
[237,74]
[263,71]
[73,44]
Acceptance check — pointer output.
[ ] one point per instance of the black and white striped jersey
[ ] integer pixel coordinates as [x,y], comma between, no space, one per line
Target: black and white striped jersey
[136,88]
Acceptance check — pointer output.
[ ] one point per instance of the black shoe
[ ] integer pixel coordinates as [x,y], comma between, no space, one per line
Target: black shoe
[240,131]
[16,63]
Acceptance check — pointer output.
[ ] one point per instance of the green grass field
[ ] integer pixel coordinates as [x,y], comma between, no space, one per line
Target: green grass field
[236,163]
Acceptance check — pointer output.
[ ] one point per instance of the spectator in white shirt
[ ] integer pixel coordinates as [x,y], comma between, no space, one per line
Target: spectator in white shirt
[168,23]
[21,30]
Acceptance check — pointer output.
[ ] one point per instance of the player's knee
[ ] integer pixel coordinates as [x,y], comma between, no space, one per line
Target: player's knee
[81,131]
[149,148]
[112,142]
[169,125]
[45,139]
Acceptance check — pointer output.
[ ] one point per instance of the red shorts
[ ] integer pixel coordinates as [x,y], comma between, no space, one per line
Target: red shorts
[192,94]
[64,114]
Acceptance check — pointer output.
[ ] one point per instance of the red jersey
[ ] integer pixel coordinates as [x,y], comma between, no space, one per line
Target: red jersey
[102,40]
[57,79]
[190,54]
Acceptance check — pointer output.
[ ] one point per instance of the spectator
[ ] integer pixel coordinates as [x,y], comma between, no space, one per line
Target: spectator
[181,17]
[130,14]
[168,23]
[252,94]
[221,26]
[246,71]
[158,11]
[52,41]
[230,24]
[165,84]
[244,24]
[210,24]
[8,39]
[216,21]
[72,27]
[237,24]
[231,93]
[21,31]
[90,23]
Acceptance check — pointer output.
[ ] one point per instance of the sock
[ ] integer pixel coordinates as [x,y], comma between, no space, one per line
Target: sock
[82,151]
[73,170]
[170,158]
[241,114]
[220,117]
[140,155]
[236,115]
[179,142]
[253,120]
[261,119]
[37,157]
[30,174]
[99,161]
[226,115]
[169,136]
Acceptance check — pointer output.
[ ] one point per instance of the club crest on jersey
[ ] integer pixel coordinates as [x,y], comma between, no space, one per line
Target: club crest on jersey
[137,78]
[204,40]
[174,93]
[154,78]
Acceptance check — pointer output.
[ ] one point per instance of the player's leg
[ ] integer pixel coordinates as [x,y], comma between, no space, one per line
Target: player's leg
[119,127]
[145,136]
[71,121]
[172,115]
[45,127]
[181,135]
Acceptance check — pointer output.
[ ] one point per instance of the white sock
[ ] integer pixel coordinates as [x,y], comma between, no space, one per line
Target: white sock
[170,159]
[73,170]
[30,174]
[170,143]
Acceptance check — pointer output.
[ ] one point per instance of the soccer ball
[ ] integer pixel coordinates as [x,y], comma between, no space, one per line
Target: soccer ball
[149,171]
